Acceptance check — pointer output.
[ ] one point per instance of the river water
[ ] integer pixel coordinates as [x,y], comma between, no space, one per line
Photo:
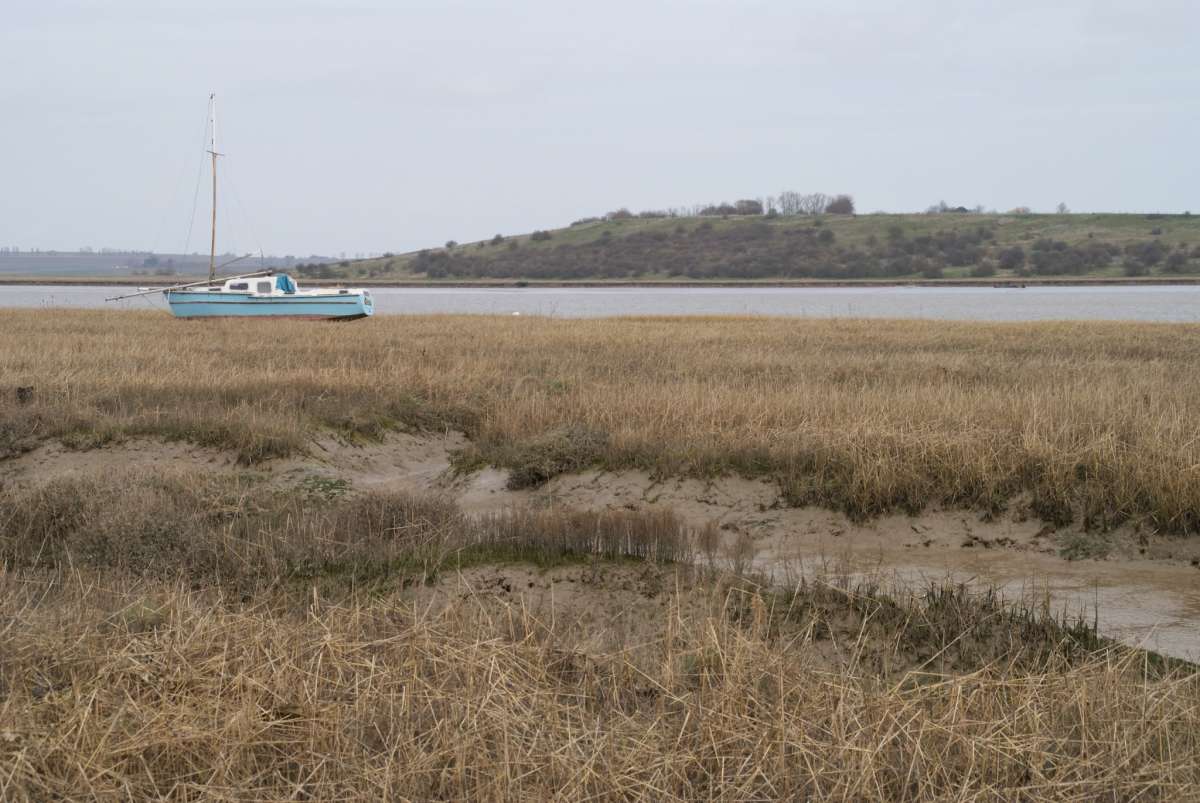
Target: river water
[1167,303]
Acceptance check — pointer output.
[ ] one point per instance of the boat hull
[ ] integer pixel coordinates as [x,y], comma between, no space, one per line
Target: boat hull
[204,304]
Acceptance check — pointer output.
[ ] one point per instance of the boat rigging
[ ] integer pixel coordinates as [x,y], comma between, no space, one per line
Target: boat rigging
[265,293]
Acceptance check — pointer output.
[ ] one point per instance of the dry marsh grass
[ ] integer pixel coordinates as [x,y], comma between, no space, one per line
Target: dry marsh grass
[1091,421]
[122,689]
[235,532]
[189,637]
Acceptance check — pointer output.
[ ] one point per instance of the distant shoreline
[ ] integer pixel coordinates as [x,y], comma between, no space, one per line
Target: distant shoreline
[1040,281]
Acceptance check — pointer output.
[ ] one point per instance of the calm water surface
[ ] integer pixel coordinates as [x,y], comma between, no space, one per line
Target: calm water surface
[1113,302]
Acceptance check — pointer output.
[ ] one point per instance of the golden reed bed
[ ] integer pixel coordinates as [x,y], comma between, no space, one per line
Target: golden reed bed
[1083,420]
[185,637]
[140,691]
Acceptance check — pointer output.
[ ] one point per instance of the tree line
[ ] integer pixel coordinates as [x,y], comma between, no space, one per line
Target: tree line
[785,203]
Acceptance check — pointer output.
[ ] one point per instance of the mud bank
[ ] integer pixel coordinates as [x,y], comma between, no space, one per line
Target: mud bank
[1143,589]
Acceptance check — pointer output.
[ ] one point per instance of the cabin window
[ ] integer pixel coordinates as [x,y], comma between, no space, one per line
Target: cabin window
[239,286]
[264,287]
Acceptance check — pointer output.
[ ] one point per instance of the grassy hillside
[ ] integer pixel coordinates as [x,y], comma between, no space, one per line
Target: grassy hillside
[830,247]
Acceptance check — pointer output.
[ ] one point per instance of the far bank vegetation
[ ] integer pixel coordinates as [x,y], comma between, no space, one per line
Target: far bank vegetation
[746,240]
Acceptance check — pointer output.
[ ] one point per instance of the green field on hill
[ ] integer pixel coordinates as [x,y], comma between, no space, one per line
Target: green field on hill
[817,247]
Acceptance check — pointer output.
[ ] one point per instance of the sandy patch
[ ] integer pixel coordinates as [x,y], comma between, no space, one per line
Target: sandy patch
[53,460]
[401,462]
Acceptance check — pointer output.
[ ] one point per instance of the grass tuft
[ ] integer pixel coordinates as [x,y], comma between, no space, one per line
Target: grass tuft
[560,451]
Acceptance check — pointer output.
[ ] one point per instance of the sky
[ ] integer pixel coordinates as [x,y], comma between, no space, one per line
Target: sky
[367,127]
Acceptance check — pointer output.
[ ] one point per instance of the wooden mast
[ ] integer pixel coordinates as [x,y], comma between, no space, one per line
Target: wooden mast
[212,254]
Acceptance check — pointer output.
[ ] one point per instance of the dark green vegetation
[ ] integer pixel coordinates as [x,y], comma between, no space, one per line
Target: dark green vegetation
[824,247]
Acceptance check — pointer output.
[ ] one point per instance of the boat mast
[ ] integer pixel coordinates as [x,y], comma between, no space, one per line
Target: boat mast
[212,254]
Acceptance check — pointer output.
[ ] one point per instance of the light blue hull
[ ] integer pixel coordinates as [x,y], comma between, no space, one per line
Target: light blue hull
[207,304]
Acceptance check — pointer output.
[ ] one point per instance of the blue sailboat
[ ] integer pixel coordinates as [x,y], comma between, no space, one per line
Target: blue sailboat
[263,294]
[267,295]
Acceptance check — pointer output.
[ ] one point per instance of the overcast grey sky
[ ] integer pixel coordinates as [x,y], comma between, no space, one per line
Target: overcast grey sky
[387,126]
